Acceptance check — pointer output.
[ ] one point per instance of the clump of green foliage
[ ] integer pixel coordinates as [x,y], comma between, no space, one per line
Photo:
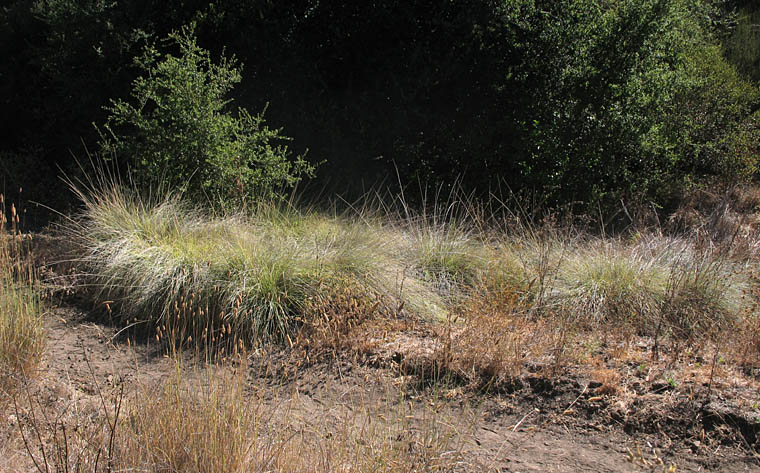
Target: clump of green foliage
[653,286]
[626,114]
[179,128]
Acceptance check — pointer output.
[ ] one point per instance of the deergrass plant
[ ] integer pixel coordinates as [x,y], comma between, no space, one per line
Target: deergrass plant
[445,252]
[543,294]
[253,273]
[262,273]
[613,283]
[610,283]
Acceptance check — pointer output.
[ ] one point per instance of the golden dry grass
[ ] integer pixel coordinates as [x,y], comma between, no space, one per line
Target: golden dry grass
[212,422]
[21,335]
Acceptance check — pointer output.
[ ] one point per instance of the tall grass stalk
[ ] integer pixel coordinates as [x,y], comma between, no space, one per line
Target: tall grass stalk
[21,333]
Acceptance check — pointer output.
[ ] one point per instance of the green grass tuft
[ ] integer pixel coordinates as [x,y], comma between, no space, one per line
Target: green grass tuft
[260,273]
[167,264]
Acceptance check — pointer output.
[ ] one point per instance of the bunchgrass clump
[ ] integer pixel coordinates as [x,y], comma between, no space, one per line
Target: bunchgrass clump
[261,274]
[445,252]
[250,275]
[611,283]
[703,297]
[641,286]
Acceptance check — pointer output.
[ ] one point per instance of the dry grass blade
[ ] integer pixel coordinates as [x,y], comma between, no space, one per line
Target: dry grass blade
[21,335]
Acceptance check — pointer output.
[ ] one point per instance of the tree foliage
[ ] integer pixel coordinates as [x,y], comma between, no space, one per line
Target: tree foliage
[576,100]
[611,98]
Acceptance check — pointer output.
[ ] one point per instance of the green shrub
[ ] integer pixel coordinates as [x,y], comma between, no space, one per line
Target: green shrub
[179,129]
[708,127]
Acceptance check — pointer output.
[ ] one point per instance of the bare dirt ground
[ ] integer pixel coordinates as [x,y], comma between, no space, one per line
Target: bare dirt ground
[536,423]
[541,426]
